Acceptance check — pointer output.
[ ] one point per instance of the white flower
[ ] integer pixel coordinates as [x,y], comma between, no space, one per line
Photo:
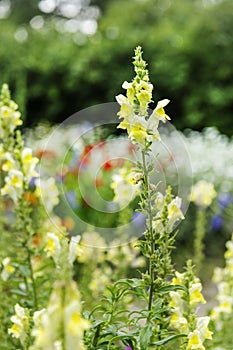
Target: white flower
[20,322]
[13,185]
[203,193]
[74,248]
[29,162]
[174,213]
[53,246]
[202,326]
[124,187]
[7,270]
[48,191]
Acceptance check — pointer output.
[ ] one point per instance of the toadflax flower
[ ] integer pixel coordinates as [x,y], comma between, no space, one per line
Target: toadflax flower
[124,187]
[169,212]
[60,325]
[53,246]
[7,270]
[9,114]
[199,335]
[183,305]
[142,129]
[202,194]
[21,324]
[48,192]
[13,185]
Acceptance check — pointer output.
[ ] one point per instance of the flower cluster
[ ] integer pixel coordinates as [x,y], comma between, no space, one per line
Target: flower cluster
[169,212]
[48,192]
[17,160]
[60,325]
[202,194]
[141,128]
[223,277]
[183,303]
[9,114]
[21,324]
[126,186]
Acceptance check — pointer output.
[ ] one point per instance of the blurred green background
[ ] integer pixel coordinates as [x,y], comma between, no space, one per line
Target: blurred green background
[62,56]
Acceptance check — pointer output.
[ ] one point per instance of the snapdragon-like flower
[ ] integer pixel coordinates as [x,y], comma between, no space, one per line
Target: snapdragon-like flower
[29,162]
[169,212]
[202,194]
[53,246]
[125,187]
[21,324]
[9,114]
[7,270]
[48,192]
[61,324]
[13,185]
[74,248]
[141,128]
[221,314]
[200,334]
[183,303]
[195,294]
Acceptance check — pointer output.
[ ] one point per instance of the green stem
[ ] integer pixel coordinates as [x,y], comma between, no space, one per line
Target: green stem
[198,240]
[34,291]
[150,229]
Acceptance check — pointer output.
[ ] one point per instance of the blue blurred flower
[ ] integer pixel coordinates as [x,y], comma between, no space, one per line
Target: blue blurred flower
[139,219]
[224,200]
[216,222]
[71,198]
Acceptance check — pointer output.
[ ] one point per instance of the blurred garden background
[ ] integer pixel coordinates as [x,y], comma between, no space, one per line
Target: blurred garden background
[60,56]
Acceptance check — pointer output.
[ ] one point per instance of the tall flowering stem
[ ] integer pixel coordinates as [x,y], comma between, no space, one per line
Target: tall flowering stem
[202,195]
[162,211]
[19,166]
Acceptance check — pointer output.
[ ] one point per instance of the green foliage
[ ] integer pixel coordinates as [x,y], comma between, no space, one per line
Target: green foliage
[188,44]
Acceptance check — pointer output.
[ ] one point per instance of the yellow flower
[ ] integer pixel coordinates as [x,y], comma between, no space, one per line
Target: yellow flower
[174,213]
[125,188]
[9,163]
[159,112]
[13,185]
[20,322]
[138,133]
[179,279]
[130,91]
[202,326]
[195,294]
[53,246]
[29,162]
[7,270]
[194,341]
[202,194]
